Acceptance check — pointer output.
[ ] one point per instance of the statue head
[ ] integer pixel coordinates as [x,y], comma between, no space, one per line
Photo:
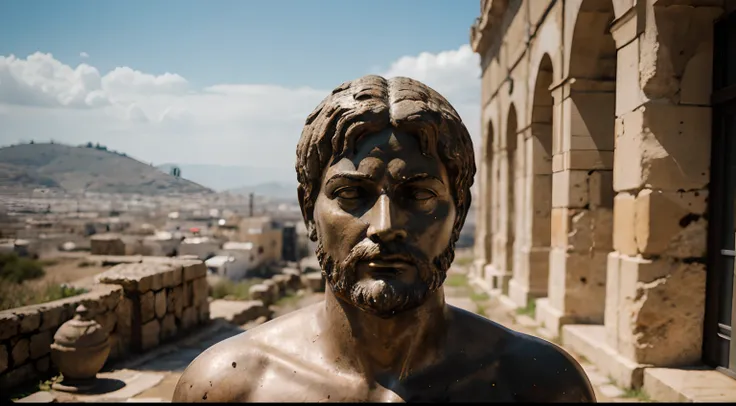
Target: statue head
[385,168]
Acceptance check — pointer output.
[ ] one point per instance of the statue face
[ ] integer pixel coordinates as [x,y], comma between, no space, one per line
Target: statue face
[384,217]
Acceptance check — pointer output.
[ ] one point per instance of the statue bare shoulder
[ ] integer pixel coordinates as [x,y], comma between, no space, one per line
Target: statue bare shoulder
[541,371]
[550,373]
[229,370]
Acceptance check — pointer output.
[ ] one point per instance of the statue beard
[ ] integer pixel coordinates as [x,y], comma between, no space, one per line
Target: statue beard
[384,298]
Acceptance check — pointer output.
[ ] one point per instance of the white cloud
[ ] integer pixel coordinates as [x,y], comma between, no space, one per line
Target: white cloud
[83,55]
[161,118]
[455,74]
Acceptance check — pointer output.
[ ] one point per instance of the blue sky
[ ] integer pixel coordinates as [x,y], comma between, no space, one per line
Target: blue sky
[292,43]
[216,82]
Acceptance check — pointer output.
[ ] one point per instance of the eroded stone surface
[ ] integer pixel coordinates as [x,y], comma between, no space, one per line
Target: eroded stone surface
[159,303]
[641,85]
[137,277]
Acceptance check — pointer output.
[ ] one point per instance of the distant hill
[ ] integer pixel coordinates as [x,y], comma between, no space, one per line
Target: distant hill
[76,169]
[276,190]
[228,177]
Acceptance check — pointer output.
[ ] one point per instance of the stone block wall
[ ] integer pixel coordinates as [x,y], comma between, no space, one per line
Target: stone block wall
[161,298]
[629,105]
[26,333]
[140,304]
[107,244]
[655,288]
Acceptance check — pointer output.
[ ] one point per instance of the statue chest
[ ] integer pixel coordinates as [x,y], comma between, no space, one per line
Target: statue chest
[279,387]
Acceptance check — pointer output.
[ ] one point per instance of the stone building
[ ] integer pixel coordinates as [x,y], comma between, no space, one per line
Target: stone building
[607,172]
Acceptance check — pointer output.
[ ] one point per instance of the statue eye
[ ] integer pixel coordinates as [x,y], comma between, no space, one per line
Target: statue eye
[422,194]
[348,193]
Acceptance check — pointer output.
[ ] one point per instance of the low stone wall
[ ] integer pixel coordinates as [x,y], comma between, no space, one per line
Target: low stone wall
[139,304]
[277,286]
[26,333]
[162,297]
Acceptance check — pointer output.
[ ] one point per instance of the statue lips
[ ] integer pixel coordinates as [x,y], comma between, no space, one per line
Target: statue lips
[389,265]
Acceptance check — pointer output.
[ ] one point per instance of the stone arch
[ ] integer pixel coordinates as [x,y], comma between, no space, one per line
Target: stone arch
[593,49]
[582,212]
[530,278]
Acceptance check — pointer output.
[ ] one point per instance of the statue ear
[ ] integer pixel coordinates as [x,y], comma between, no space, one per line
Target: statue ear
[307,213]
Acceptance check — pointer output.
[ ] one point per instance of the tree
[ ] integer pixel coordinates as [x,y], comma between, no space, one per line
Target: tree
[89,144]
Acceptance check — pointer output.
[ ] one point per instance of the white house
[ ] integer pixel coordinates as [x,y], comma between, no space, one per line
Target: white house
[246,250]
[202,247]
[228,266]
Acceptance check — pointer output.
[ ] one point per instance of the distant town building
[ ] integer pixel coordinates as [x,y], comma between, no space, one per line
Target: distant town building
[202,247]
[107,244]
[289,250]
[265,236]
[228,266]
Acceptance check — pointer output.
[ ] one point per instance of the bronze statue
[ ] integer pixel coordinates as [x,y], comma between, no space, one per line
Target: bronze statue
[384,169]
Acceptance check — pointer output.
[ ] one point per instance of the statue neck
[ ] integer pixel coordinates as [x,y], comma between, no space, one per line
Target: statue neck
[385,347]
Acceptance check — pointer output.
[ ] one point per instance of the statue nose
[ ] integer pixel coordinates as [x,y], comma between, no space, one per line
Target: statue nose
[383,226]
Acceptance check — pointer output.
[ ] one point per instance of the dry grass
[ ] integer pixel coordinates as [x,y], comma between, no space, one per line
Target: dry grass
[71,270]
[47,286]
[227,289]
[14,295]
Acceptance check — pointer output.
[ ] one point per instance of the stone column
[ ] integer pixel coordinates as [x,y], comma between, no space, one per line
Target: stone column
[582,200]
[520,219]
[656,277]
[480,204]
[503,256]
[483,235]
[530,277]
[494,216]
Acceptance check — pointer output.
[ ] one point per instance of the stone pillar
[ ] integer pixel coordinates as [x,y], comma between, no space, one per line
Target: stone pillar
[582,207]
[503,256]
[480,204]
[483,236]
[520,215]
[656,276]
[494,216]
[530,277]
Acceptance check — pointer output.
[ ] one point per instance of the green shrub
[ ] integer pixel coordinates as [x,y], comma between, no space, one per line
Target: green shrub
[227,289]
[17,269]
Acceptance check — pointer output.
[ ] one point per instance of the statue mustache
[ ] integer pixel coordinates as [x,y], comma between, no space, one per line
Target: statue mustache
[368,250]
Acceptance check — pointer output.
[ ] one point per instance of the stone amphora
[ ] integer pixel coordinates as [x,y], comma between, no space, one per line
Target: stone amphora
[79,351]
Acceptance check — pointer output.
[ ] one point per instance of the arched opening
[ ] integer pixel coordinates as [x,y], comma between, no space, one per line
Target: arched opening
[582,232]
[530,278]
[510,184]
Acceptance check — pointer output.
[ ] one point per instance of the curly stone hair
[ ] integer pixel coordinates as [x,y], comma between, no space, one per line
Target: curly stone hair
[369,105]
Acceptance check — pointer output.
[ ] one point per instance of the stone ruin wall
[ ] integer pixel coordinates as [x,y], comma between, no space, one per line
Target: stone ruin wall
[140,305]
[628,233]
[161,297]
[26,333]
